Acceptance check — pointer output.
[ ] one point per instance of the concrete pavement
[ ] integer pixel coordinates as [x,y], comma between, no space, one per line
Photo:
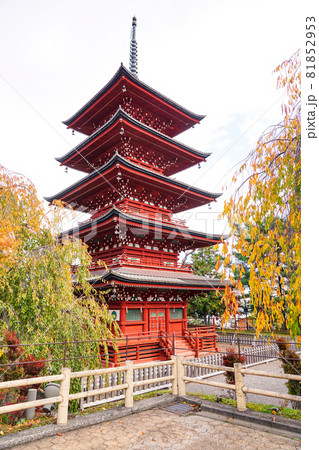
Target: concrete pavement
[159,429]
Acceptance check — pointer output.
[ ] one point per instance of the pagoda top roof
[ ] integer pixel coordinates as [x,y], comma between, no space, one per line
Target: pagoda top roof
[121,114]
[83,119]
[116,158]
[130,218]
[157,278]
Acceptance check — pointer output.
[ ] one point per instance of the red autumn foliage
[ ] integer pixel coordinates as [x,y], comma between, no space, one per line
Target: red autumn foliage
[33,366]
[14,348]
[14,367]
[229,360]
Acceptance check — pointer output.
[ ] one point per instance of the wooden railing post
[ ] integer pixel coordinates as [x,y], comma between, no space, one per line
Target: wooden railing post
[174,374]
[181,390]
[238,343]
[126,345]
[129,381]
[239,384]
[197,344]
[138,352]
[173,342]
[63,406]
[214,336]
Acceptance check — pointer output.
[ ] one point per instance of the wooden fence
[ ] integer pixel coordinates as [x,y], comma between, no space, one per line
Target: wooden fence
[128,384]
[238,386]
[147,373]
[125,384]
[251,339]
[254,355]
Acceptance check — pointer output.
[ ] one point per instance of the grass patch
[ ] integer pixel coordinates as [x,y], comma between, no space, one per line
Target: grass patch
[110,405]
[282,411]
[260,407]
[23,424]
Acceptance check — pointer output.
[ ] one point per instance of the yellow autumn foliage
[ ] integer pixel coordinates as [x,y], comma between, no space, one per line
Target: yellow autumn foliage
[266,206]
[41,298]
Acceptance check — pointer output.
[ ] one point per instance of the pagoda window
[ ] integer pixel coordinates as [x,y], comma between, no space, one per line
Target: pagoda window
[176,313]
[133,315]
[133,259]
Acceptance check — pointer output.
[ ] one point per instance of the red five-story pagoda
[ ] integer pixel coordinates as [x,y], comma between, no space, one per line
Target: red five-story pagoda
[128,156]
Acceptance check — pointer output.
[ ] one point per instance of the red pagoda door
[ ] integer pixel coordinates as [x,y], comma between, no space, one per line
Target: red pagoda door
[157,320]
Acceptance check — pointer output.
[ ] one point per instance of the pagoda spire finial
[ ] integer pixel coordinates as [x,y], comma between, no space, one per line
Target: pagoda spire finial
[133,49]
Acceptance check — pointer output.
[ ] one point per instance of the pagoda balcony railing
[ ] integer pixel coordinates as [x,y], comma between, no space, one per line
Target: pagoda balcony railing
[143,261]
[141,210]
[153,213]
[146,165]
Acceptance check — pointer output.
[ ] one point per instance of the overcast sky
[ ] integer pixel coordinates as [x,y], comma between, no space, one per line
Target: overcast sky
[213,57]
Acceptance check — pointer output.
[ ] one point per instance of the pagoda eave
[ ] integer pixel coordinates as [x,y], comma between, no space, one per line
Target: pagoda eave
[107,176]
[147,278]
[120,126]
[194,289]
[95,109]
[106,222]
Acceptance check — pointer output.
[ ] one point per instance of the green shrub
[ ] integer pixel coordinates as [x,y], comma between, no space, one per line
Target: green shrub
[291,363]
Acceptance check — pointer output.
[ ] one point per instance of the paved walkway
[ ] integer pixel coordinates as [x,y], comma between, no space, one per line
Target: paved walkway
[159,429]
